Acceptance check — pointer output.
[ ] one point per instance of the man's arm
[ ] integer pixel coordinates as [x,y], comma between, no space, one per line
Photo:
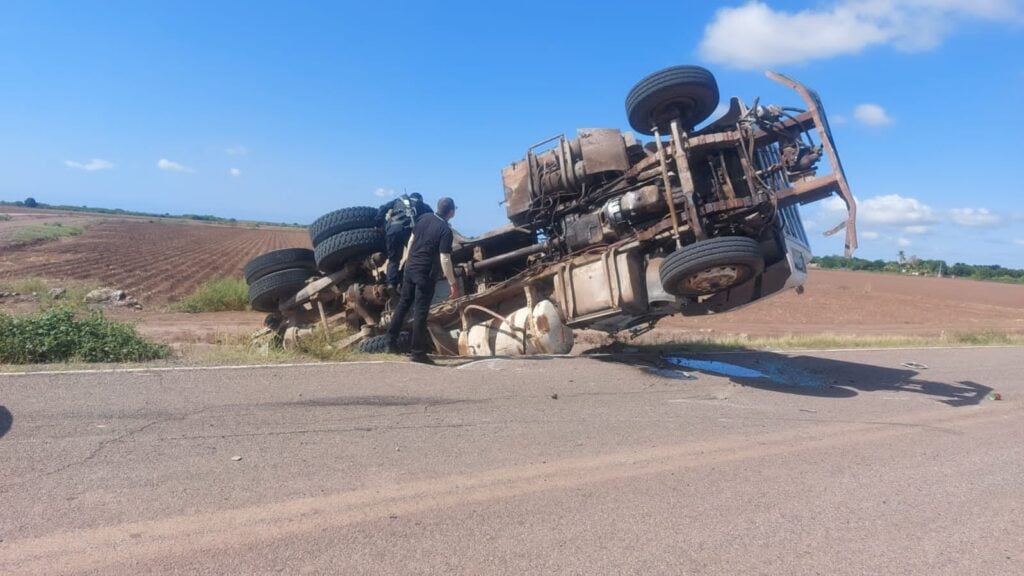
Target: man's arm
[446,262]
[405,252]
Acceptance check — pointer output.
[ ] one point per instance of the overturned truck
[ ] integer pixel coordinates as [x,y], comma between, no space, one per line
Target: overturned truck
[605,231]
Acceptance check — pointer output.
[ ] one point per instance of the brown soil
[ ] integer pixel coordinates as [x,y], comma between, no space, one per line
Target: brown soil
[156,261]
[864,303]
[159,261]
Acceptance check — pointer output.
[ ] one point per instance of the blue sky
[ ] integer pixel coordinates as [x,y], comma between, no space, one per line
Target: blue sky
[283,112]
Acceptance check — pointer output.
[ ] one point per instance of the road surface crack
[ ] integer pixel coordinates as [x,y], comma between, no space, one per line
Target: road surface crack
[101,447]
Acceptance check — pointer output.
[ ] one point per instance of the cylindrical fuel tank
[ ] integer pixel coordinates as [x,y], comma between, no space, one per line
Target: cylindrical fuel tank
[517,335]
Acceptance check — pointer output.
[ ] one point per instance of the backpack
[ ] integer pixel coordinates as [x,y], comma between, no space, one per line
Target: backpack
[402,213]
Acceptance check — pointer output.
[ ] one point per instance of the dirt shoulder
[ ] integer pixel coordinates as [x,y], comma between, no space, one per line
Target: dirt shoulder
[864,303]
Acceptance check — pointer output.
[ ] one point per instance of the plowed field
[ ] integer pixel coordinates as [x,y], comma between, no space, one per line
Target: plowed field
[155,261]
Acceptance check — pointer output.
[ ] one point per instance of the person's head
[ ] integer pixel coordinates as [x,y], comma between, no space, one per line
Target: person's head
[446,208]
[416,197]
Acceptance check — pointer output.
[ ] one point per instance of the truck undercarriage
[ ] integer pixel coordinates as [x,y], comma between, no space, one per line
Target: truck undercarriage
[605,232]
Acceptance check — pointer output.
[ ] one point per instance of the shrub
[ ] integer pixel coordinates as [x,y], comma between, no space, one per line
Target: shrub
[217,295]
[56,335]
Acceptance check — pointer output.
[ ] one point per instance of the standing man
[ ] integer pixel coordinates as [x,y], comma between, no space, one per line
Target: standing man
[398,218]
[429,254]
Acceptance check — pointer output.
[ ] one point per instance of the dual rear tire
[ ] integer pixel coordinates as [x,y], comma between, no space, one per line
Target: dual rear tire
[333,252]
[276,276]
[337,237]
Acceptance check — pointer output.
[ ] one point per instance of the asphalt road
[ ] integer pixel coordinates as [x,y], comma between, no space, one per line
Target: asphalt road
[810,463]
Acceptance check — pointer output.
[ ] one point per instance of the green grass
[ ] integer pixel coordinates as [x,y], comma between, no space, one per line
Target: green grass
[217,295]
[25,286]
[5,217]
[58,335]
[50,231]
[74,292]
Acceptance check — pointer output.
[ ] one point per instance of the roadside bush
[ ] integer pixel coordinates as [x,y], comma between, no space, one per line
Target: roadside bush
[56,335]
[218,295]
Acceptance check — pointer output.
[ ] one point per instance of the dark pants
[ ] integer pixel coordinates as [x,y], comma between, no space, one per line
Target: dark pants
[417,292]
[395,240]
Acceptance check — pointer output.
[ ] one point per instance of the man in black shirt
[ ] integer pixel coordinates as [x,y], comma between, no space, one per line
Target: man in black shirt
[429,253]
[398,218]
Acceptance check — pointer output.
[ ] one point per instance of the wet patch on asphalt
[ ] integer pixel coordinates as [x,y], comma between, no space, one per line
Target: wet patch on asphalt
[779,372]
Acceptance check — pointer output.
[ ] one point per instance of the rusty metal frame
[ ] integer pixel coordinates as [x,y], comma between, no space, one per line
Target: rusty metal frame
[817,113]
[668,187]
[686,181]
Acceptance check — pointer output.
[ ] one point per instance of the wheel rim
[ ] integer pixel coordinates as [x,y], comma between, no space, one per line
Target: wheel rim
[715,279]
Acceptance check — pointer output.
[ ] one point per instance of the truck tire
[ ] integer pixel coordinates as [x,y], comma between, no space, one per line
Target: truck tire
[267,293]
[332,253]
[686,93]
[711,266]
[341,221]
[288,258]
[379,344]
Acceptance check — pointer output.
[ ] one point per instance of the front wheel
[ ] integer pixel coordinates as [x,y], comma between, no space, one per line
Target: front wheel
[711,266]
[688,94]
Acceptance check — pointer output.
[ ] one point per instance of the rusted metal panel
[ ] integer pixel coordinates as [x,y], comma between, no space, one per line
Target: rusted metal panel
[589,287]
[603,150]
[516,177]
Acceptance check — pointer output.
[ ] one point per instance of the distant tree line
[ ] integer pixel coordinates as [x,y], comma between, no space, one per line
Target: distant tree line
[920,267]
[32,203]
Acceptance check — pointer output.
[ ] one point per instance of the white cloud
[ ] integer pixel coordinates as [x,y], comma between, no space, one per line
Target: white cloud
[893,215]
[832,208]
[235,172]
[974,217]
[871,114]
[903,242]
[384,192]
[90,166]
[236,151]
[1019,241]
[895,210]
[755,35]
[165,164]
